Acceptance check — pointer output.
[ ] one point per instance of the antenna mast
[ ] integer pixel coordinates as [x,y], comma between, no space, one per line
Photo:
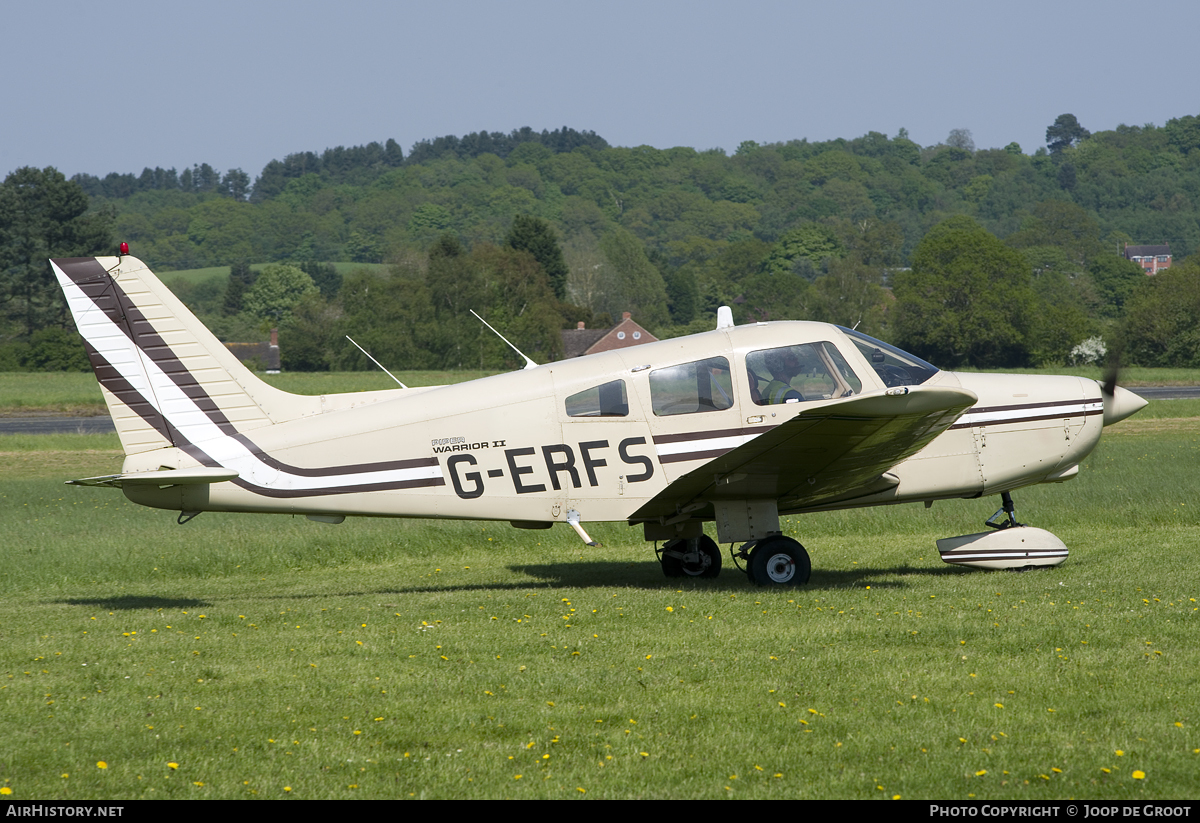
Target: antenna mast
[529,364]
[376,362]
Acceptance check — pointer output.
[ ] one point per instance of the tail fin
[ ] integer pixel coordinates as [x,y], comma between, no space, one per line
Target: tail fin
[162,372]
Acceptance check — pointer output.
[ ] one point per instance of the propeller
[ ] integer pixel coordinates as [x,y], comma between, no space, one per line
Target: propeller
[1119,403]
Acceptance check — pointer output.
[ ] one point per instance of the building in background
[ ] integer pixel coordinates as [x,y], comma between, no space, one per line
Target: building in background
[1150,258]
[580,341]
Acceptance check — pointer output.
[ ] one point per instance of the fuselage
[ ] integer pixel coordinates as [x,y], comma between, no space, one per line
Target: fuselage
[603,434]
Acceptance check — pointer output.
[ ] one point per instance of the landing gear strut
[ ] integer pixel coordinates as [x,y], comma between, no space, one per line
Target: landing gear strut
[1006,507]
[691,557]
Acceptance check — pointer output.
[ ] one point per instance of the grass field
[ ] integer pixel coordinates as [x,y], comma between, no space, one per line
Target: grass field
[265,656]
[78,393]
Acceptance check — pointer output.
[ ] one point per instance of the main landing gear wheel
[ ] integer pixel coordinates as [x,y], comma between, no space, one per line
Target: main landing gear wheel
[778,561]
[691,557]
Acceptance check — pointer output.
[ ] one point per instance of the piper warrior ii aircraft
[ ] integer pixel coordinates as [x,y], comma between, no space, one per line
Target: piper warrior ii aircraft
[734,426]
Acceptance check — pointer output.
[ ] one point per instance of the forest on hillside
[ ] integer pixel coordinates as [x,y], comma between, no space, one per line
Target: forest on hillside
[970,257]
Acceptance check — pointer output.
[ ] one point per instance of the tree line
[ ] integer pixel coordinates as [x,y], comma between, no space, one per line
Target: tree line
[986,257]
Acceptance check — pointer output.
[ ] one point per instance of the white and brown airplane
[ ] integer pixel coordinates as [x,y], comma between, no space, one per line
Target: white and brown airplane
[734,427]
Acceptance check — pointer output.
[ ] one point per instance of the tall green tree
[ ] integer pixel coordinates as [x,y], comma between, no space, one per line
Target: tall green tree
[43,215]
[241,278]
[640,286]
[235,184]
[968,299]
[1160,318]
[1115,280]
[1065,132]
[537,237]
[804,250]
[851,295]
[276,291]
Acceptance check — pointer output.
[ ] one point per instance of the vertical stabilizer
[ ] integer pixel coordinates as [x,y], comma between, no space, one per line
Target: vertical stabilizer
[165,377]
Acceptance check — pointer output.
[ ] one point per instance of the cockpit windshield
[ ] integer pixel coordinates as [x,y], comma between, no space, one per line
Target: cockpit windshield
[894,366]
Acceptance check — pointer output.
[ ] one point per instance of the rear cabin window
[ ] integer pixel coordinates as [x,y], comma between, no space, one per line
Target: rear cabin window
[794,374]
[605,400]
[703,386]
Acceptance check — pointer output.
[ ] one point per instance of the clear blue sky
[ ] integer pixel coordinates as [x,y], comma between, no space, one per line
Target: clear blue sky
[115,86]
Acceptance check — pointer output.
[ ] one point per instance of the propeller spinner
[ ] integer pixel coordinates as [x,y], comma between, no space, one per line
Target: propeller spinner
[1119,403]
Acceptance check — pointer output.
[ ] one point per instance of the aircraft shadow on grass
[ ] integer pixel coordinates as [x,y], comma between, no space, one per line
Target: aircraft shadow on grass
[598,574]
[648,576]
[133,602]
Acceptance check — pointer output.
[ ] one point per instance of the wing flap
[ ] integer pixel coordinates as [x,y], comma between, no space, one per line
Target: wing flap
[835,451]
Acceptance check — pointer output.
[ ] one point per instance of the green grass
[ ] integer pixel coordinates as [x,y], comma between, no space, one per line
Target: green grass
[1131,376]
[418,659]
[78,392]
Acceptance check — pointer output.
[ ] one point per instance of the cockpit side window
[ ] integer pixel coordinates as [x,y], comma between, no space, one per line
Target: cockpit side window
[793,374]
[702,386]
[894,366]
[606,400]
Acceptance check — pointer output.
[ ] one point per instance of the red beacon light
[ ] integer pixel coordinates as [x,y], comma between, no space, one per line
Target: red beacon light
[124,248]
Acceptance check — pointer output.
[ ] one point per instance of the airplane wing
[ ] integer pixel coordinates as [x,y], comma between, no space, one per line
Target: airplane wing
[832,452]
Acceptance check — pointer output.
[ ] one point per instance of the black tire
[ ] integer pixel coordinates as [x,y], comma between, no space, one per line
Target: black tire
[709,564]
[672,566]
[779,561]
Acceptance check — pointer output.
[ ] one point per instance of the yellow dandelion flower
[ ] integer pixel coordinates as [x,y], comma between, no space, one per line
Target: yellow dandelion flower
[1138,774]
[581,789]
[981,773]
[1120,753]
[5,790]
[100,764]
[172,765]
